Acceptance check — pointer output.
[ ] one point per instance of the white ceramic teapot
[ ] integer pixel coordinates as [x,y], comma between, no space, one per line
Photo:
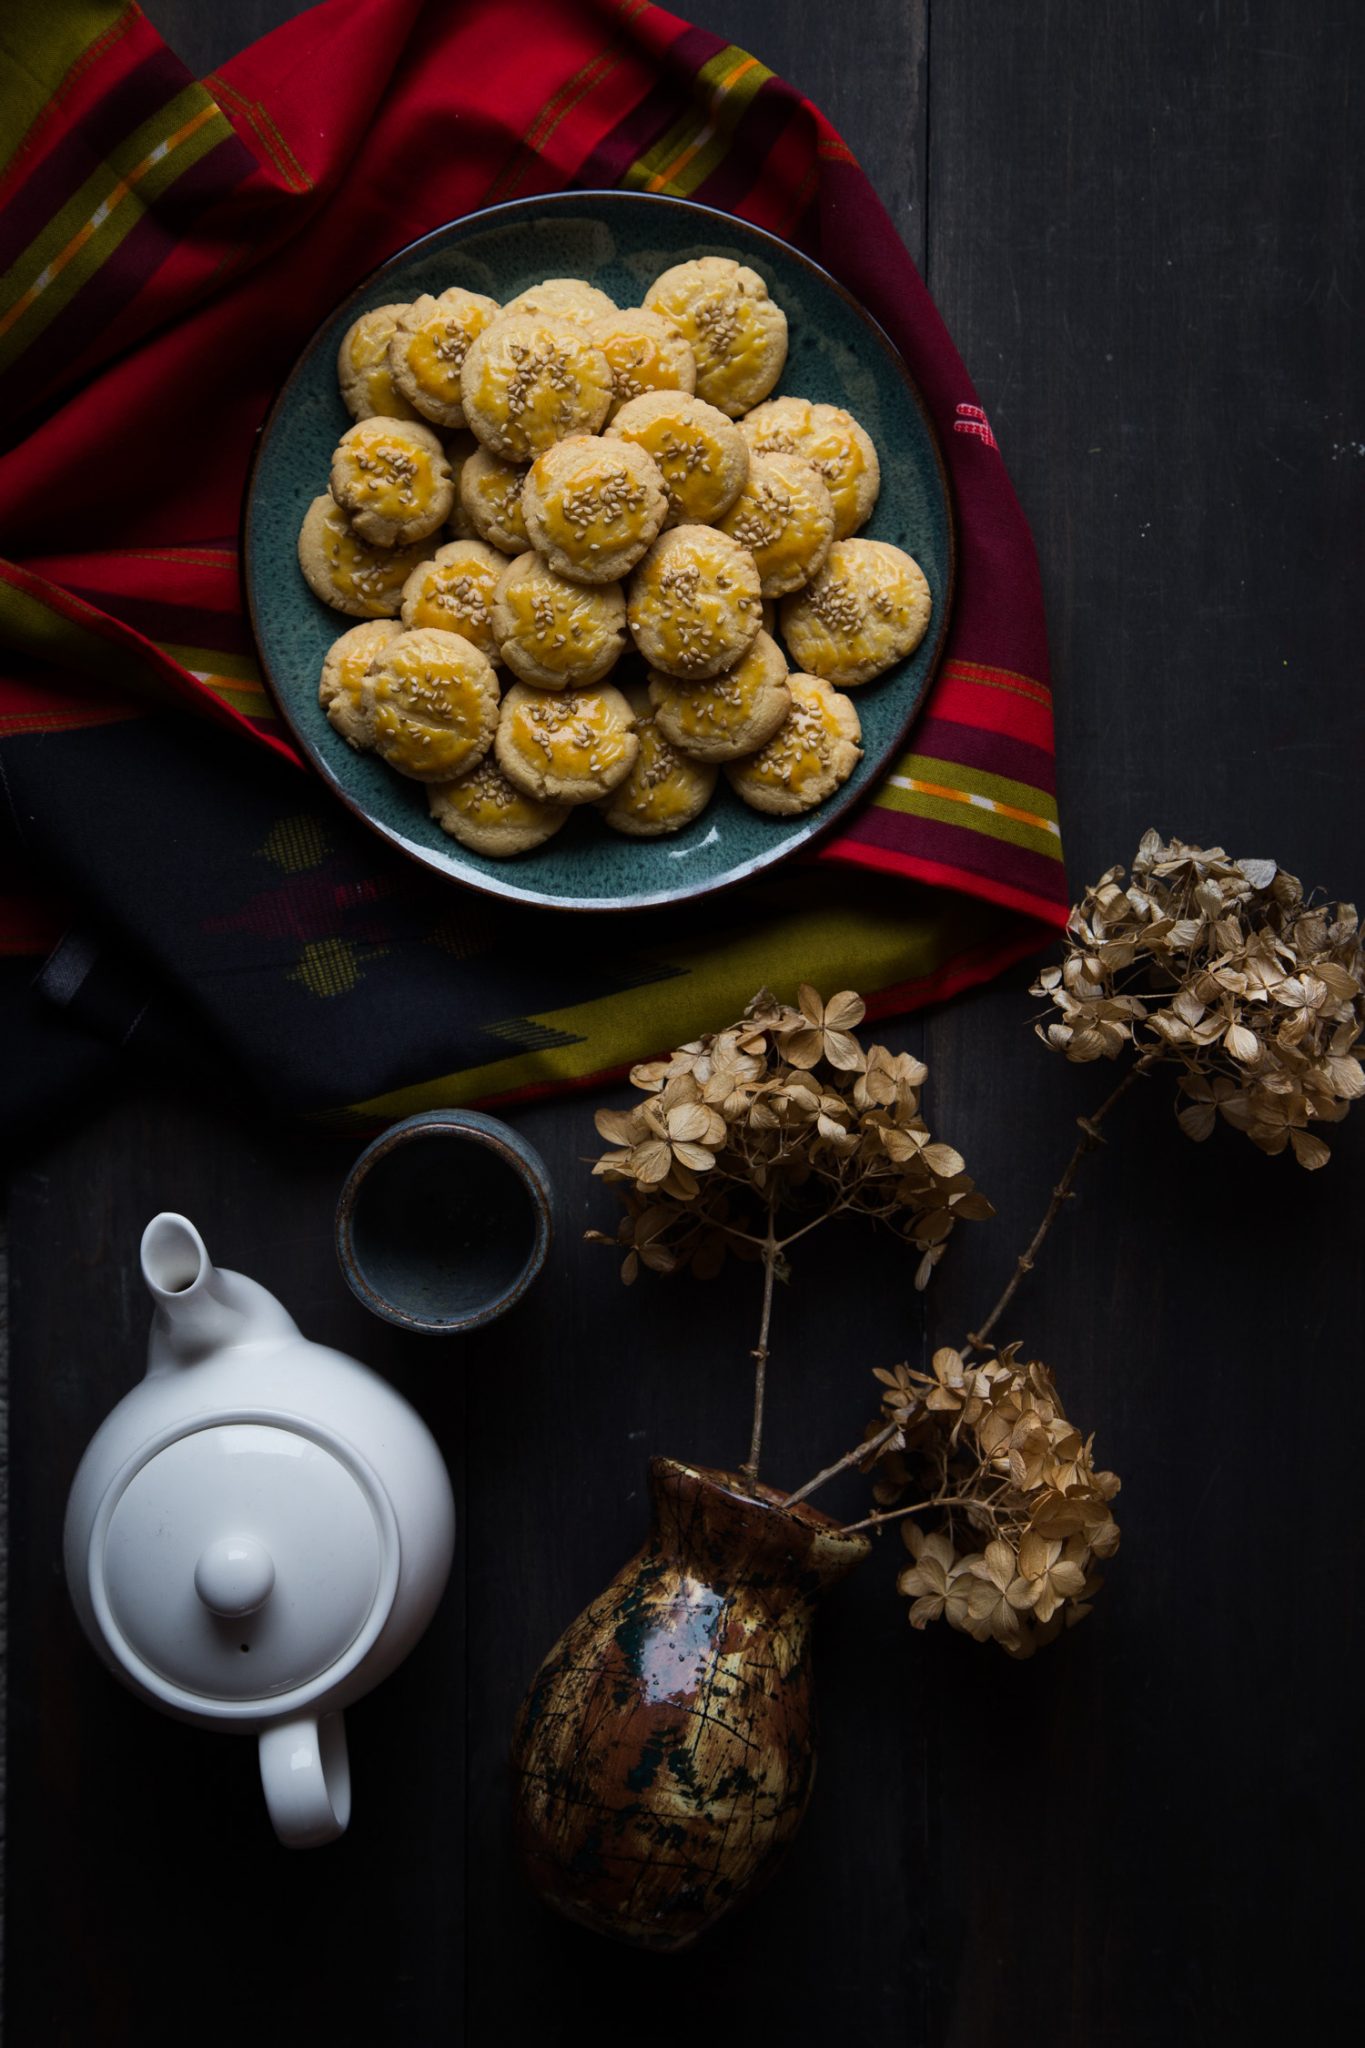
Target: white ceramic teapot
[259,1532]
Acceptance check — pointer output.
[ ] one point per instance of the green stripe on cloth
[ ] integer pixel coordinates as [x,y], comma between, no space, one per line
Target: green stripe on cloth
[697,143]
[35,628]
[1019,796]
[883,936]
[233,678]
[92,224]
[974,817]
[39,45]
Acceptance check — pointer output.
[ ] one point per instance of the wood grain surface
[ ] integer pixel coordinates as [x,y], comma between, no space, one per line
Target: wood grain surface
[1139,218]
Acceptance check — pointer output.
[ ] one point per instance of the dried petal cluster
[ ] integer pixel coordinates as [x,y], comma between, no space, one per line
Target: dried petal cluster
[1225,967]
[785,1109]
[1021,1514]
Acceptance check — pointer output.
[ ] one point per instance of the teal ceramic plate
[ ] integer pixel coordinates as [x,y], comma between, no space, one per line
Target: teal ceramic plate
[620,241]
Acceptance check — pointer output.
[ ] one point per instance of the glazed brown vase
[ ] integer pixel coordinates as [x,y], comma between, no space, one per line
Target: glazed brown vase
[664,1755]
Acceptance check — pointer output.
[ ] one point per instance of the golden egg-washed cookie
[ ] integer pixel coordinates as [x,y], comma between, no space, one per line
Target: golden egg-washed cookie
[646,353]
[734,714]
[490,815]
[460,446]
[784,516]
[341,691]
[363,372]
[347,572]
[562,298]
[664,790]
[570,747]
[702,456]
[528,382]
[393,478]
[428,347]
[490,493]
[432,703]
[736,332]
[832,442]
[592,506]
[454,592]
[694,604]
[866,610]
[555,633]
[813,751]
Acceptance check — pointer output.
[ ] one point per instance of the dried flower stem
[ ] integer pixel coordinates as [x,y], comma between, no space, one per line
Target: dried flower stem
[1090,1138]
[1061,1194]
[760,1353]
[867,1449]
[938,1500]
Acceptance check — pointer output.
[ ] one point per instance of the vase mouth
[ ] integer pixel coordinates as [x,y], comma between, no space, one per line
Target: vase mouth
[837,1547]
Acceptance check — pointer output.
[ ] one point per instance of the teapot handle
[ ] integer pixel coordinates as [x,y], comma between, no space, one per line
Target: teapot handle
[306,1775]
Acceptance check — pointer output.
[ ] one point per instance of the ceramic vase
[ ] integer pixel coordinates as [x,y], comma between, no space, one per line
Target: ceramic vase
[664,1754]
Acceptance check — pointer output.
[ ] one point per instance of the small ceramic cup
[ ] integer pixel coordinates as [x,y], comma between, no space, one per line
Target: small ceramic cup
[444,1221]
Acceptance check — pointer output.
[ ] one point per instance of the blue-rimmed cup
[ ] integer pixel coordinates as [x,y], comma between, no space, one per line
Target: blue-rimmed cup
[444,1221]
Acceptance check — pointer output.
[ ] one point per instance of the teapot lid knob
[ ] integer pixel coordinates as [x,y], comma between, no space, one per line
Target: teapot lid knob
[235,1575]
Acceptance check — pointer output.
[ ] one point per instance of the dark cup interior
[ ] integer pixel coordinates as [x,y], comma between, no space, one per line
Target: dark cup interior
[442,1228]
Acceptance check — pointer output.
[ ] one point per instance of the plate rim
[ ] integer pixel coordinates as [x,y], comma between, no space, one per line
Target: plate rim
[837,807]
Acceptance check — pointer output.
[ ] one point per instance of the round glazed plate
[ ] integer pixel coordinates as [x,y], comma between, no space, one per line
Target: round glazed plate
[619,241]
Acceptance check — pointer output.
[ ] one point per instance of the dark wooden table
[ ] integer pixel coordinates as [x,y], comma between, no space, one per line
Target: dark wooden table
[1140,221]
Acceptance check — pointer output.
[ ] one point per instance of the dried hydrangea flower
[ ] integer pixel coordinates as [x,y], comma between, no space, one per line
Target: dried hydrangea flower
[1023,1515]
[784,1110]
[1225,968]
[750,1137]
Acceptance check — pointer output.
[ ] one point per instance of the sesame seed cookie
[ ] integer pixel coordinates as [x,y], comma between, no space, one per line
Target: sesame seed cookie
[428,347]
[664,790]
[490,815]
[363,372]
[866,610]
[528,382]
[832,442]
[490,493]
[734,714]
[345,571]
[785,517]
[562,298]
[645,354]
[736,332]
[433,704]
[811,754]
[569,748]
[694,604]
[454,592]
[702,456]
[592,506]
[341,686]
[393,478]
[555,633]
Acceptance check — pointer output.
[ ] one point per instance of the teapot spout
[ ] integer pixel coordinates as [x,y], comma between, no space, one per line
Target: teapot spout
[174,1258]
[200,1308]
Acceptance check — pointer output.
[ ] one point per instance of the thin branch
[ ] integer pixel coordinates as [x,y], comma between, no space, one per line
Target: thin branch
[1090,1138]
[867,1449]
[814,1224]
[938,1500]
[760,1353]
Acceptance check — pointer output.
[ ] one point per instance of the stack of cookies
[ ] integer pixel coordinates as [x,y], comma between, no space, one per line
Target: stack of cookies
[652,497]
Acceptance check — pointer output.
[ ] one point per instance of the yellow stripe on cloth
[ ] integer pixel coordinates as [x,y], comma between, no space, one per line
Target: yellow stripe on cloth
[884,934]
[694,145]
[103,226]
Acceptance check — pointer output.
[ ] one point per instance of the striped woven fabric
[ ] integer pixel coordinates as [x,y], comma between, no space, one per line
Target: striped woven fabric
[168,246]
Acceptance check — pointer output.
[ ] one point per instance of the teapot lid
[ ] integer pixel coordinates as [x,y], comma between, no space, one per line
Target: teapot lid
[243,1567]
